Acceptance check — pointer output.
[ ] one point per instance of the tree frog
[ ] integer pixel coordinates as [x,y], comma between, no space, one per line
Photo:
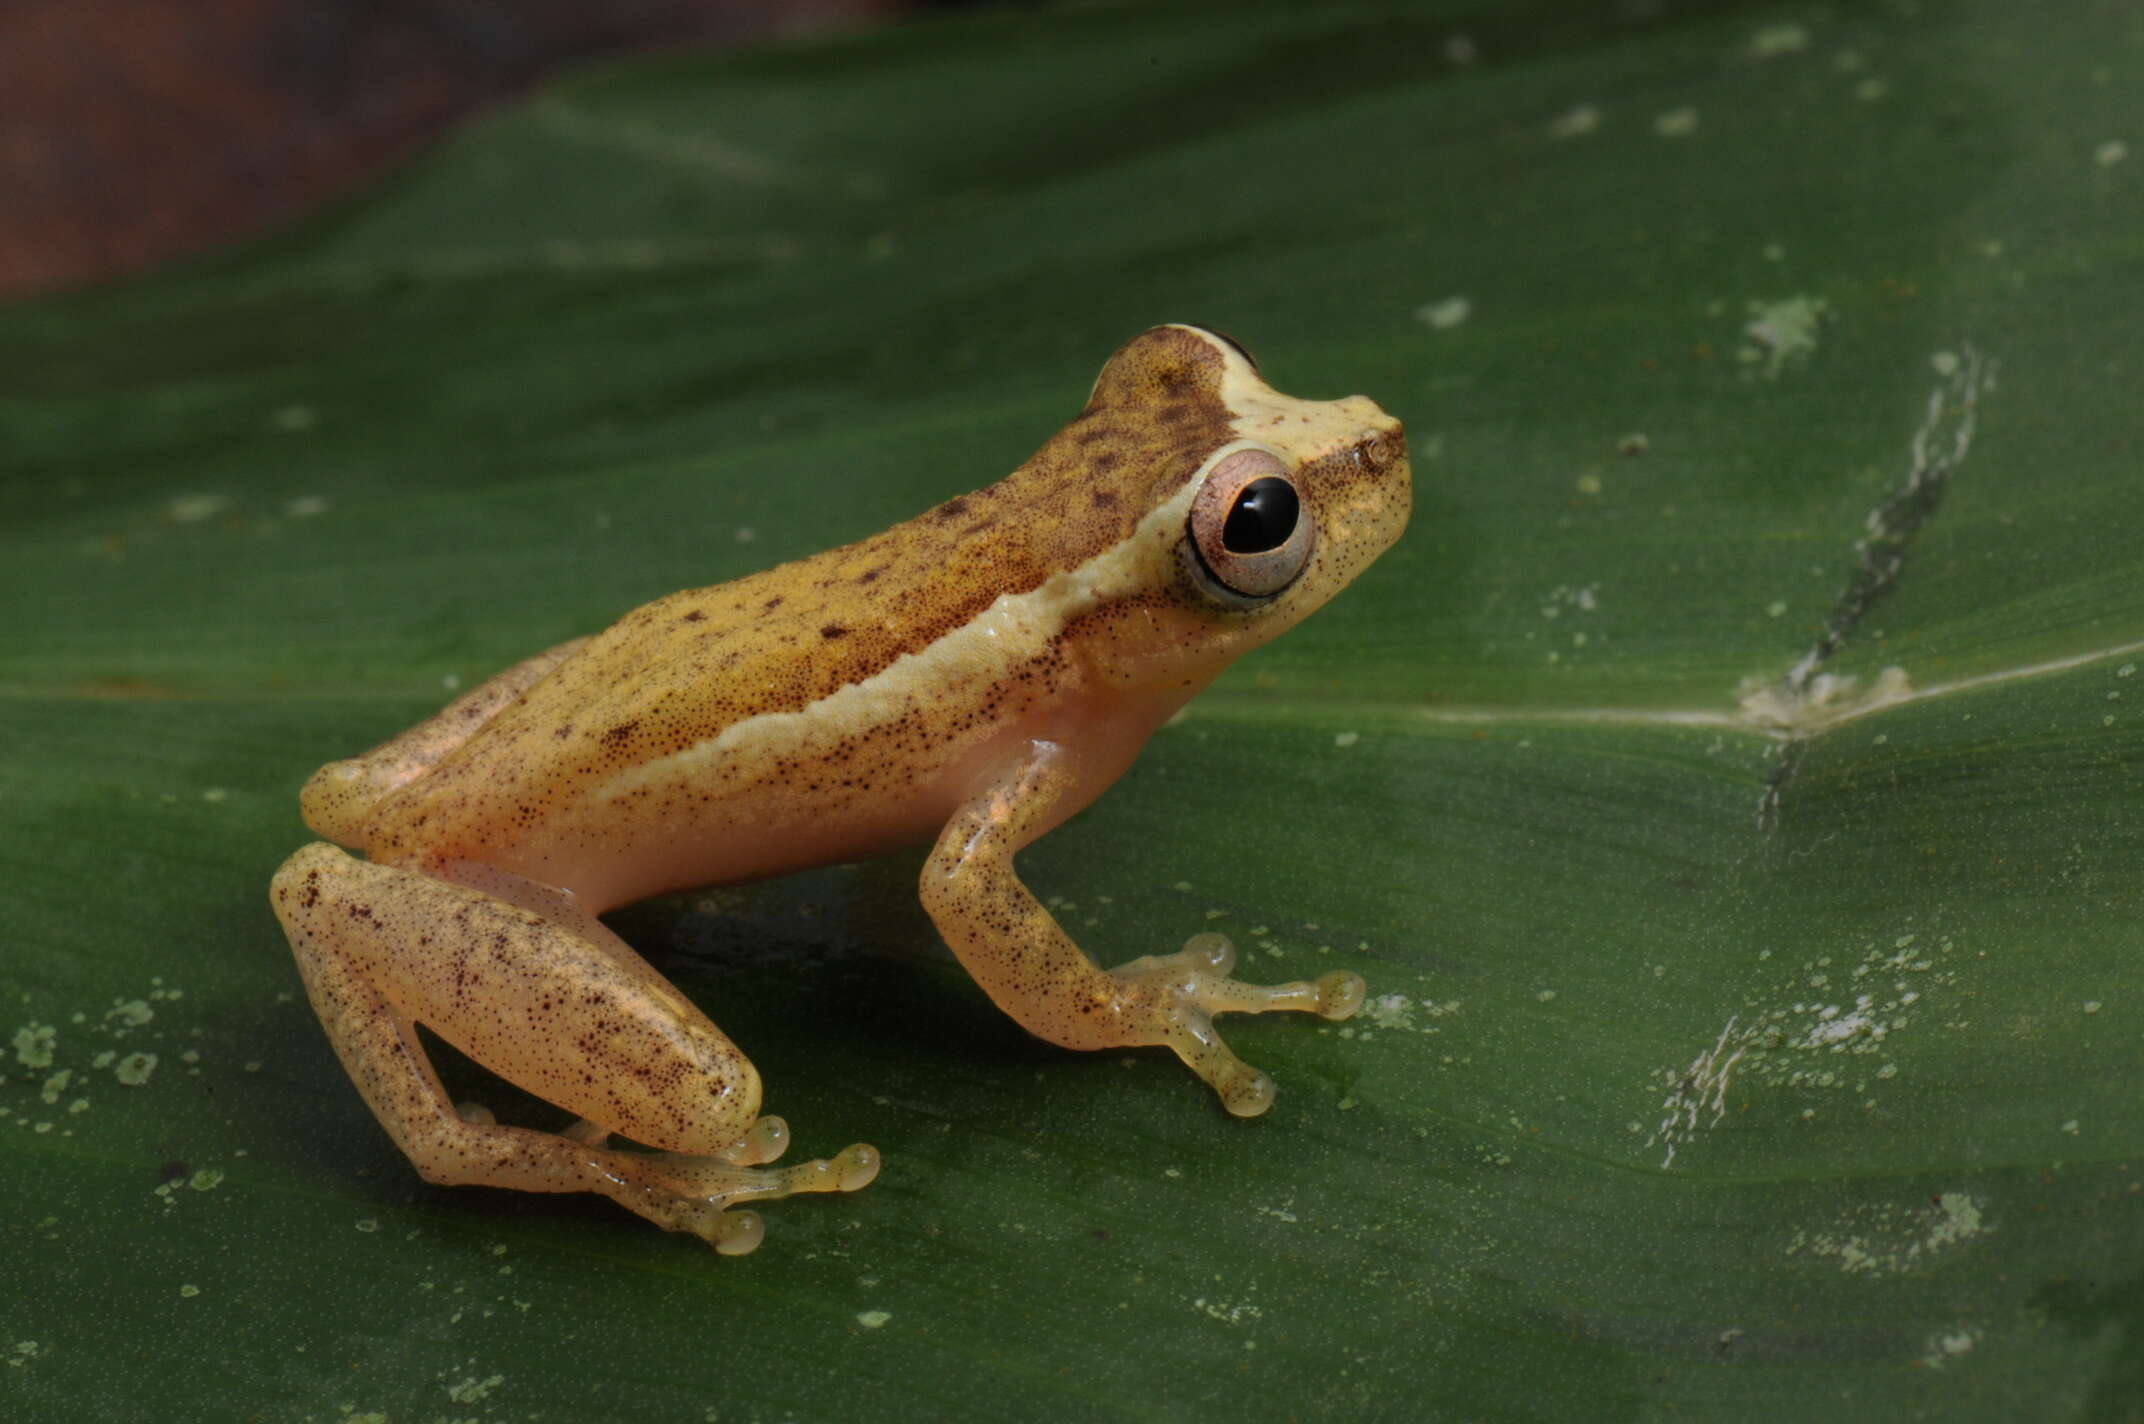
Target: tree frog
[971,677]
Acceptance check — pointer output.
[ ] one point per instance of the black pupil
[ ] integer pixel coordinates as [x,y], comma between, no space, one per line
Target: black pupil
[1263,518]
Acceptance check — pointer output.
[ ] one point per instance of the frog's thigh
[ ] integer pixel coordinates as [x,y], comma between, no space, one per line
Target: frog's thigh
[589,1028]
[382,948]
[1023,959]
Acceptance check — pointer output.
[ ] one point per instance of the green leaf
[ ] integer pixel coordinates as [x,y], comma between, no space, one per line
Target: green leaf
[1754,1030]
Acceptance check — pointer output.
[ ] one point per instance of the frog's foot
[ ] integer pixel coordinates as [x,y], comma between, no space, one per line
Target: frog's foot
[681,1192]
[1180,993]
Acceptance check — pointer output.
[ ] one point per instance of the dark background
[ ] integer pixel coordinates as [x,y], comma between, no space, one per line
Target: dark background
[136,131]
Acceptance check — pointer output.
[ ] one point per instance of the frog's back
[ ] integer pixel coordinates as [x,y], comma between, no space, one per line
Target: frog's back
[686,675]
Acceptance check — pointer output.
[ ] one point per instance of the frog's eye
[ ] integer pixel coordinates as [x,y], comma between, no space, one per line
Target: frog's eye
[1247,526]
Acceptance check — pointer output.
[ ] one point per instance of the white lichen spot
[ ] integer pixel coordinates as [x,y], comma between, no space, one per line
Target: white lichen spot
[2071,1127]
[1960,1221]
[2091,1006]
[189,1292]
[2126,670]
[134,1069]
[24,1351]
[1676,123]
[1545,995]
[33,1045]
[205,1180]
[1775,40]
[1389,1011]
[1825,700]
[1889,1238]
[1777,608]
[1575,122]
[2111,152]
[1346,739]
[131,1013]
[294,418]
[1565,598]
[366,1224]
[1948,1346]
[1833,1027]
[55,1085]
[307,506]
[873,1319]
[1226,1313]
[1699,1088]
[469,1389]
[1782,334]
[1444,314]
[1588,483]
[193,508]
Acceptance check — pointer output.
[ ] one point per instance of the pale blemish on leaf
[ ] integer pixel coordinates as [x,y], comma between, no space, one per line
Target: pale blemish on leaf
[193,508]
[1826,701]
[34,1043]
[131,1013]
[1888,1238]
[1227,1313]
[1444,314]
[469,1389]
[1949,1345]
[1775,40]
[1575,122]
[134,1069]
[1676,123]
[1788,1040]
[1782,335]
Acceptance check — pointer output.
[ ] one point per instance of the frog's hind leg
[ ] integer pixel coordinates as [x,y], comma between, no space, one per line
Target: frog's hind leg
[341,794]
[588,1026]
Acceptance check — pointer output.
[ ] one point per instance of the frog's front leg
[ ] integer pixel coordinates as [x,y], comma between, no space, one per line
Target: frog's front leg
[1025,961]
[559,1006]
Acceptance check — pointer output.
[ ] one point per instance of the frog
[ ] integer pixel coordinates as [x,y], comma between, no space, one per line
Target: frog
[967,680]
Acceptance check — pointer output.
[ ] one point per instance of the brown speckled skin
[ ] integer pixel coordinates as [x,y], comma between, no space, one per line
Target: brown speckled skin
[977,673]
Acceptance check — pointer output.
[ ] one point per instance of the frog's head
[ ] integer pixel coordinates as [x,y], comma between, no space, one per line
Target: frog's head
[1260,507]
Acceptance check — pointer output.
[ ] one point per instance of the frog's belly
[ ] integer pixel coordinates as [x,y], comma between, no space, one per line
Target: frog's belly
[644,840]
[751,836]
[813,803]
